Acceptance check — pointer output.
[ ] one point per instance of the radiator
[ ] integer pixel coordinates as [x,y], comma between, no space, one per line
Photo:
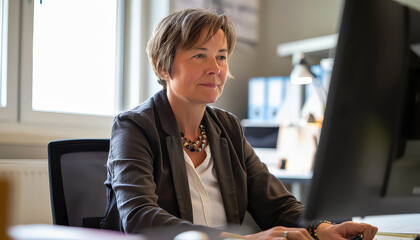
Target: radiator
[29,201]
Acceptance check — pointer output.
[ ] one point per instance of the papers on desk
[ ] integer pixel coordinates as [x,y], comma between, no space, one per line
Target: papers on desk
[56,232]
[394,226]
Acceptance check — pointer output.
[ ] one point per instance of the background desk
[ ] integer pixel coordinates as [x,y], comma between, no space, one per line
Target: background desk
[296,179]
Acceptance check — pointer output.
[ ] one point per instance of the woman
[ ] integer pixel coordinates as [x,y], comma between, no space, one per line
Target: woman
[174,161]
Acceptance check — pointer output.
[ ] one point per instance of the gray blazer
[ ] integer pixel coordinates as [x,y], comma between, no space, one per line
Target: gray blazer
[147,184]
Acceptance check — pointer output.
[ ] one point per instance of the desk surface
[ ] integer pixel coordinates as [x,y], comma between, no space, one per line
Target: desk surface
[55,232]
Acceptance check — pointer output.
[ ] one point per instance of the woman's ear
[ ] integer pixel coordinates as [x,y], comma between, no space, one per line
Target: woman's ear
[165,75]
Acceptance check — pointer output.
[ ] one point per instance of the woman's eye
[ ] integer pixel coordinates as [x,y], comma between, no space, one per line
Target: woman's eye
[221,57]
[200,55]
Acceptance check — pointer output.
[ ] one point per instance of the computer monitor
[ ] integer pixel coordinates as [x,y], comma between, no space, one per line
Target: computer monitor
[368,158]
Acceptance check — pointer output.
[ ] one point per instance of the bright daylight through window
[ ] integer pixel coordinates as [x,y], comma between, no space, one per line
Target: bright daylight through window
[74,56]
[3,51]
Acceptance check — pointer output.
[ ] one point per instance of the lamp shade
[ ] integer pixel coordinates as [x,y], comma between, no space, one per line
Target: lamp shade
[301,75]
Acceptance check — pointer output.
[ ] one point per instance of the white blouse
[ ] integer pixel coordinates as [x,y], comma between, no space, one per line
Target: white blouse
[206,199]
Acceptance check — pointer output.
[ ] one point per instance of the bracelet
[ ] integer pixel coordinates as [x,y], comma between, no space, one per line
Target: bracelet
[312,229]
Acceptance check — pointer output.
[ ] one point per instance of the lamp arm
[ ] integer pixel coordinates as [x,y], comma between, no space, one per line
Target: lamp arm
[322,92]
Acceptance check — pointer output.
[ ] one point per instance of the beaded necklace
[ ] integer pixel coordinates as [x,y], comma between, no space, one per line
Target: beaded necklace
[197,145]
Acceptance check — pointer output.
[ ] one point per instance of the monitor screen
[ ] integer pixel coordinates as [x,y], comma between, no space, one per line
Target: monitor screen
[368,158]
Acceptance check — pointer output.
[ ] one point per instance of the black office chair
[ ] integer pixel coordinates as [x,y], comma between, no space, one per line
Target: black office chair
[77,173]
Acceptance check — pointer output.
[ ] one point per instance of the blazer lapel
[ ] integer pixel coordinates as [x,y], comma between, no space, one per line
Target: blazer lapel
[221,157]
[176,155]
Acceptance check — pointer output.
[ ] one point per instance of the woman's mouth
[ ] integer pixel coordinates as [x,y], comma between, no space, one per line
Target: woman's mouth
[210,85]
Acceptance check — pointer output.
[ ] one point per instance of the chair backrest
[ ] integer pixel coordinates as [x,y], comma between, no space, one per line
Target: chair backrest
[77,171]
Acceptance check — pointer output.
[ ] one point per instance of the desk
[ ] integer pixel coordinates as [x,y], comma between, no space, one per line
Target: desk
[296,179]
[57,232]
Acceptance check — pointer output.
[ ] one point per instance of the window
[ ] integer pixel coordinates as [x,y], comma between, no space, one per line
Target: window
[69,62]
[74,56]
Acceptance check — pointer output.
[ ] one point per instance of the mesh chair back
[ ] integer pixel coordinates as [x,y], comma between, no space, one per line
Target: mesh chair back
[77,173]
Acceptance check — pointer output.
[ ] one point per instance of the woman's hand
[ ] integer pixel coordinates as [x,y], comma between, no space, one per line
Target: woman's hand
[346,230]
[281,233]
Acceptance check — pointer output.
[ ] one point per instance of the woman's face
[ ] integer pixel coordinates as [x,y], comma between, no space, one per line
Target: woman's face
[199,73]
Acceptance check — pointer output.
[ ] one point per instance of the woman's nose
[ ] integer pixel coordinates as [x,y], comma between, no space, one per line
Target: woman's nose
[213,68]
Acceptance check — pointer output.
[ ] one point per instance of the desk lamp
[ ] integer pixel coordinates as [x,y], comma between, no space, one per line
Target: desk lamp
[302,75]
